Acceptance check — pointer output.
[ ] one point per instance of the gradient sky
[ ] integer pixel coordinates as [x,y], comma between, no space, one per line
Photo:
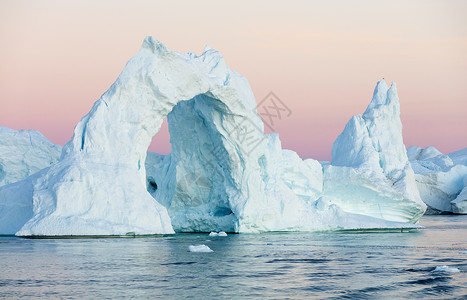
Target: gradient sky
[322,58]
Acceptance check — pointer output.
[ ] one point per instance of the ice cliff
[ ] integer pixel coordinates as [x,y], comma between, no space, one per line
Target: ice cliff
[441,179]
[23,153]
[370,173]
[223,174]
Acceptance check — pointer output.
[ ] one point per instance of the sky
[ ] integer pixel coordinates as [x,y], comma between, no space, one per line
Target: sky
[321,58]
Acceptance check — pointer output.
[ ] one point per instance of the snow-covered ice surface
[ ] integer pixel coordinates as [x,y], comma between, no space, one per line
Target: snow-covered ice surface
[223,174]
[441,179]
[370,173]
[23,153]
[199,248]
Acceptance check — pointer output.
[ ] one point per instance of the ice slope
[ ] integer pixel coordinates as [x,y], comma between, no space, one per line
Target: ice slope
[23,153]
[459,157]
[224,173]
[369,172]
[440,178]
[459,205]
[16,207]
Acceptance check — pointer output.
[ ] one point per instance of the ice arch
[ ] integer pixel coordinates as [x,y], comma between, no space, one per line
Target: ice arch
[99,185]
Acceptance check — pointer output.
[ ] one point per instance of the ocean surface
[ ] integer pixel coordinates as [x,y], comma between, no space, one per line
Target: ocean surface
[273,265]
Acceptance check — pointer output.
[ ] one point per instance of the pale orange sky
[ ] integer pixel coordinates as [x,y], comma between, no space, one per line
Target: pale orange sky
[322,58]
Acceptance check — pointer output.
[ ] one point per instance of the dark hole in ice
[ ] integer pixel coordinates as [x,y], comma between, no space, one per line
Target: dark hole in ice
[222,211]
[152,185]
[2,173]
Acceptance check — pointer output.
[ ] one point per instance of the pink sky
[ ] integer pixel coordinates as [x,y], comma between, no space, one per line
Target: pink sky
[322,59]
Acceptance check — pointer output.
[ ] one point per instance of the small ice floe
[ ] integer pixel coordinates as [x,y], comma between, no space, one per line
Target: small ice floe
[275,244]
[199,248]
[446,269]
[279,244]
[307,253]
[218,234]
[463,252]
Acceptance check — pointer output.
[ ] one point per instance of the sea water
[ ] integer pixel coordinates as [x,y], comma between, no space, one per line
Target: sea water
[430,263]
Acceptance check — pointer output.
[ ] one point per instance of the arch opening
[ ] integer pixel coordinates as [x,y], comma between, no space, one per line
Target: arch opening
[193,181]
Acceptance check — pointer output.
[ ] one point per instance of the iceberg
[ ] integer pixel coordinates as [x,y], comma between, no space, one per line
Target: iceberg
[223,174]
[23,153]
[441,179]
[369,172]
[199,249]
[222,234]
[447,269]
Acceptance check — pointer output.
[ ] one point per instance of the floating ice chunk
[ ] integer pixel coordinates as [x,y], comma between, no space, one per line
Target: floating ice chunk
[370,172]
[222,233]
[307,253]
[280,244]
[463,252]
[440,179]
[446,269]
[199,248]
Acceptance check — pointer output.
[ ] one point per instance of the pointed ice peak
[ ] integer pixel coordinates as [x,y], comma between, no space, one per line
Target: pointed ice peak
[154,45]
[207,48]
[149,39]
[382,82]
[379,96]
[214,60]
[429,152]
[392,94]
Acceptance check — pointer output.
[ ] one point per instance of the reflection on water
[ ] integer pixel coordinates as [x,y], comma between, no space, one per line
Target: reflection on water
[294,265]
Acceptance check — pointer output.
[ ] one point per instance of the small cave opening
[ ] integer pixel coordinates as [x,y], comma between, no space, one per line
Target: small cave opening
[2,173]
[151,185]
[222,211]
